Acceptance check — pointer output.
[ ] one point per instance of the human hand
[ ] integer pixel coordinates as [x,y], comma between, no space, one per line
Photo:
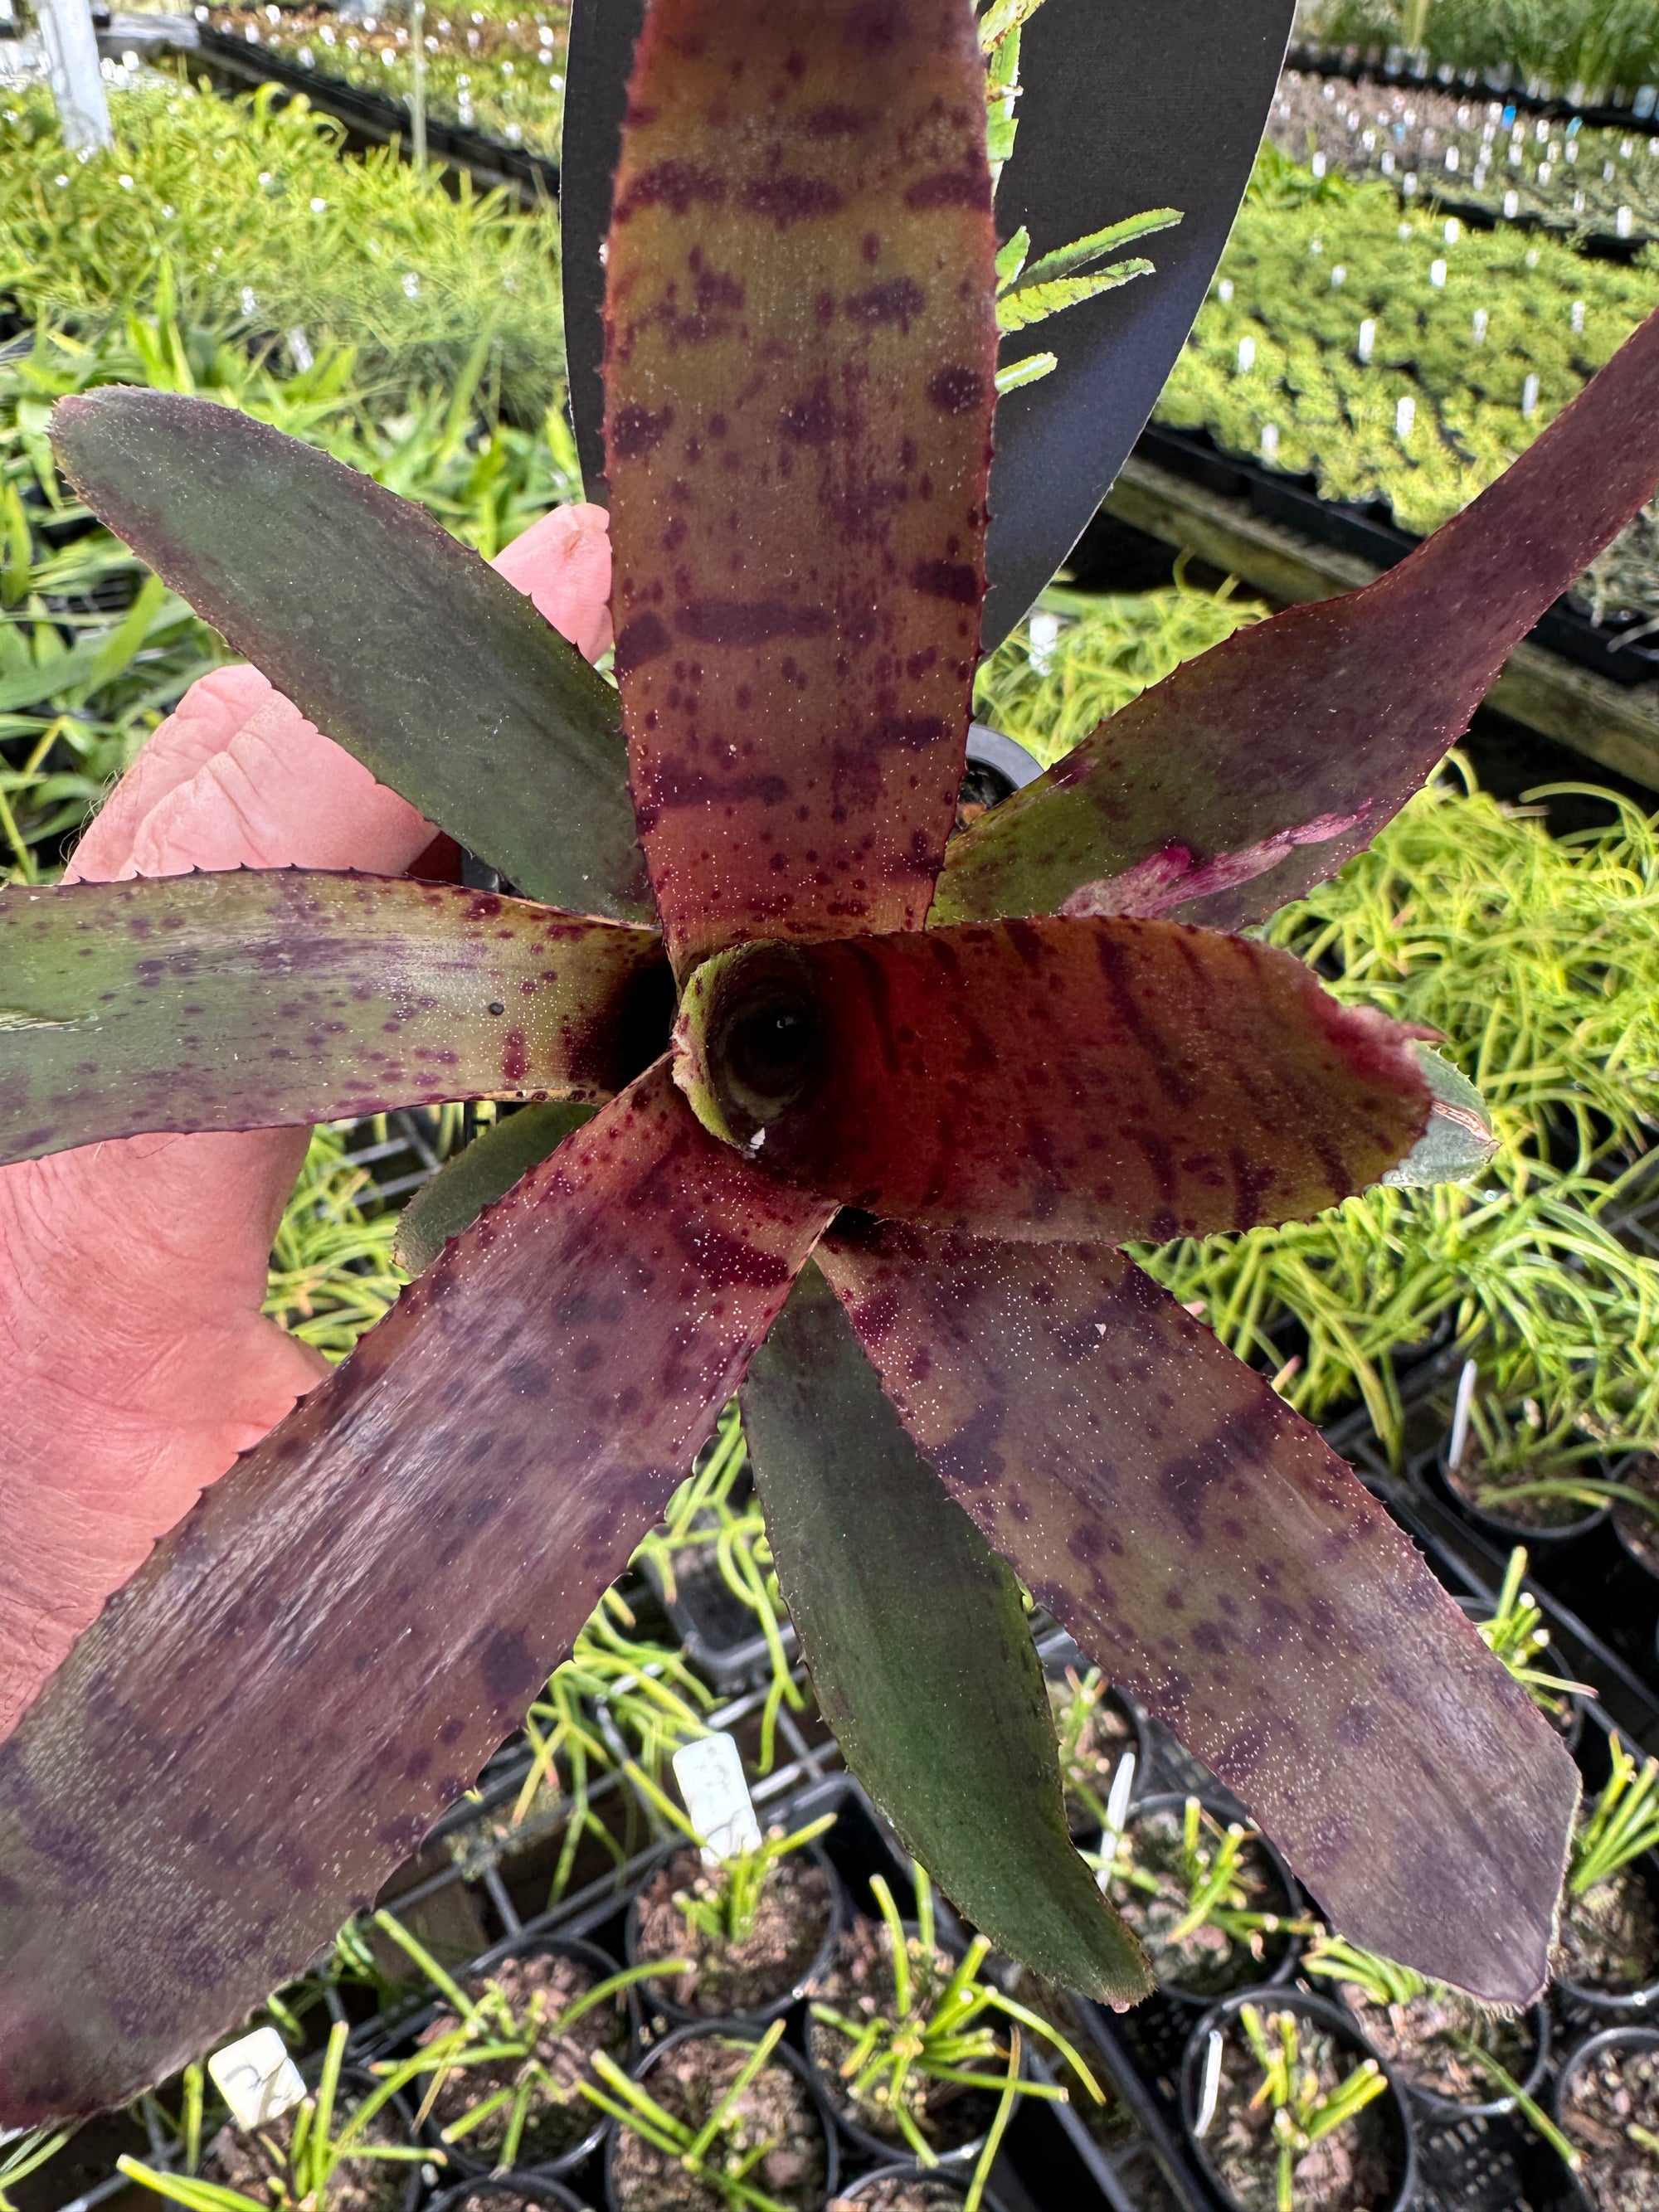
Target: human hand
[137,1361]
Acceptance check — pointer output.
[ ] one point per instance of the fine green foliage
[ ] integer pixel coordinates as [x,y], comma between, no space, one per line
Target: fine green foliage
[1476,153]
[723,1902]
[269,233]
[1208,1875]
[940,2026]
[1516,1633]
[1486,358]
[718,2154]
[316,2155]
[1622,1823]
[491,2031]
[1101,651]
[1303,2113]
[331,1270]
[1580,47]
[498,70]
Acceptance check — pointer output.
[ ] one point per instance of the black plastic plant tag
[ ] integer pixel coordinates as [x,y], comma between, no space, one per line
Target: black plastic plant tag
[1124,107]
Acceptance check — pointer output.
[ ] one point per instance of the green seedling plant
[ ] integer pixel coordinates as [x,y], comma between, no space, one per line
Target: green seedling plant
[1075,1709]
[1209,1876]
[1510,1449]
[718,2154]
[1387,1984]
[723,1903]
[880,1109]
[1622,1823]
[1516,1634]
[490,2030]
[315,2153]
[1303,2113]
[943,2027]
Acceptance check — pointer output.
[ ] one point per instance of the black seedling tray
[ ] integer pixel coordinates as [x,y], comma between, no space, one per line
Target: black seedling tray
[1370,534]
[1371,66]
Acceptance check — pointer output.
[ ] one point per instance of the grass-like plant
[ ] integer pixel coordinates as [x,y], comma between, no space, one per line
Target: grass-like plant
[958,1074]
[1303,2112]
[943,2025]
[1621,1824]
[1516,1633]
[317,2147]
[722,1904]
[718,2154]
[492,2031]
[1208,1874]
[1581,48]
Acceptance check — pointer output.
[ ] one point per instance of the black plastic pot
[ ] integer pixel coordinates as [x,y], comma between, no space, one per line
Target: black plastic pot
[1620,2005]
[740,2031]
[1285,1966]
[656,1994]
[1554,1548]
[1442,2112]
[722,1638]
[1389,2112]
[465,2160]
[1609,2039]
[883,2149]
[498,2192]
[858,2191]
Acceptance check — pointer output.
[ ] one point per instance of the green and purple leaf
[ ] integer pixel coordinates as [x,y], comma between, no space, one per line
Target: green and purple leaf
[322,1655]
[1210,1552]
[1255,772]
[479,1175]
[920,1653]
[397,641]
[801,342]
[1051,1079]
[255,998]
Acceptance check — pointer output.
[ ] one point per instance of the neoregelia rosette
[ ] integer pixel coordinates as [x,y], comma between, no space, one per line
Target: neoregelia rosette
[879,1114]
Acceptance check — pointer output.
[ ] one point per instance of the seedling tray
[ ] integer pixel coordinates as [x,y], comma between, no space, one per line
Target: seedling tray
[1373,66]
[1370,534]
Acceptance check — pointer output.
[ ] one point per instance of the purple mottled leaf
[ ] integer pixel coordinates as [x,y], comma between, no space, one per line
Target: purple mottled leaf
[255,998]
[1083,1078]
[1256,771]
[321,1656]
[799,354]
[1212,1553]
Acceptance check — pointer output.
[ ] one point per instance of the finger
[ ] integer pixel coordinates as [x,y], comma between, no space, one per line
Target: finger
[562,565]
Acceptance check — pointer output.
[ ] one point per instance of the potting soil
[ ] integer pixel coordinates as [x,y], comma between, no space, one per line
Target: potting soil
[1420,2041]
[1609,1939]
[1209,1961]
[1609,2094]
[251,2163]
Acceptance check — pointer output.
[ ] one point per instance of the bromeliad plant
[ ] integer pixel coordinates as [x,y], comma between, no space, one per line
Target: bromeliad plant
[959,1079]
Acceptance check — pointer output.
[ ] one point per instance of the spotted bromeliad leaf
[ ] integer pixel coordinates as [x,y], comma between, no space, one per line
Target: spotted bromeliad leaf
[878,1109]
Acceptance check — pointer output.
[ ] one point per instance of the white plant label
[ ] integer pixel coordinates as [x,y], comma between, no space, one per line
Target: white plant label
[257,2078]
[716,1792]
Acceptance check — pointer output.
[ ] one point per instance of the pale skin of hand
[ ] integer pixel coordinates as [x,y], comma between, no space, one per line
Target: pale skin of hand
[137,1363]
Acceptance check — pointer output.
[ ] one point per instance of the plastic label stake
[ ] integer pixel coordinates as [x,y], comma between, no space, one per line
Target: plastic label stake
[716,1792]
[257,2078]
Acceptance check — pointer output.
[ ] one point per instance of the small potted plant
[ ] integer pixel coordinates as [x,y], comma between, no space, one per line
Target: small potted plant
[503,2060]
[1287,2111]
[1606,1949]
[1522,1478]
[909,2186]
[1607,2100]
[1455,2057]
[349,2146]
[727,2123]
[904,2040]
[1513,1631]
[1208,1896]
[1094,1727]
[746,1934]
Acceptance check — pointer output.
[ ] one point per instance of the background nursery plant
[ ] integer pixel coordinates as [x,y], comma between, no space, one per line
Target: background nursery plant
[876,1115]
